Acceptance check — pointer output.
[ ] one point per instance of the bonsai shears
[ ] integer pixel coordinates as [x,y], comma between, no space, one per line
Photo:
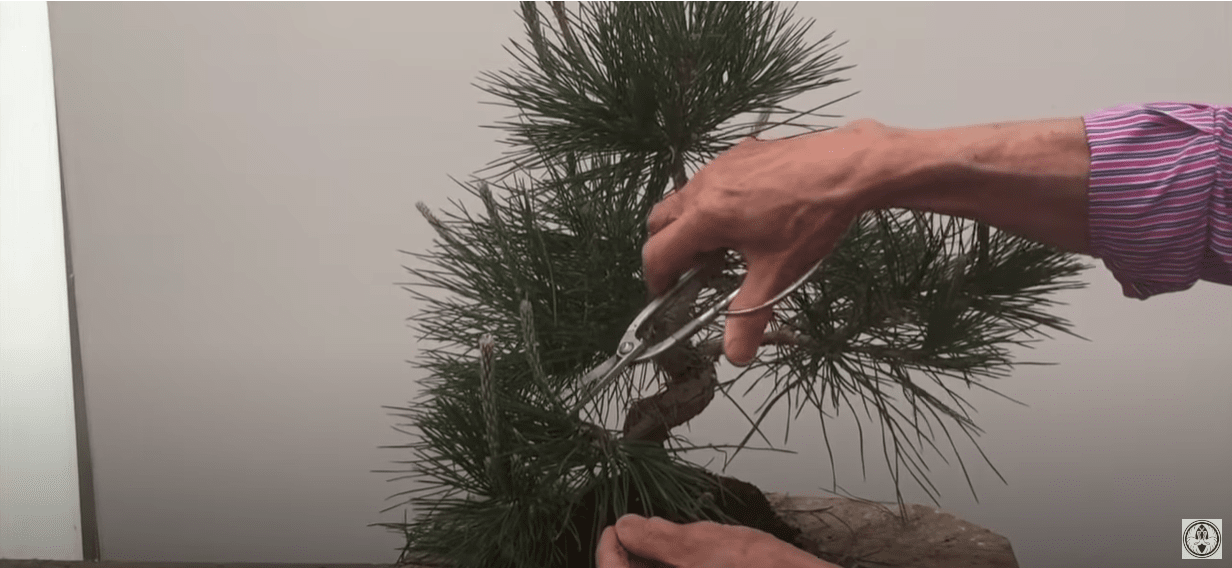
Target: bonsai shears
[632,349]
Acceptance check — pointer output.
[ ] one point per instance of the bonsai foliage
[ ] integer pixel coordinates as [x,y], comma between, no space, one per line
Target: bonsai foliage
[612,105]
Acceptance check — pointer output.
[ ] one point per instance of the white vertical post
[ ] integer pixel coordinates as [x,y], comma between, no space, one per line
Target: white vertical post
[40,509]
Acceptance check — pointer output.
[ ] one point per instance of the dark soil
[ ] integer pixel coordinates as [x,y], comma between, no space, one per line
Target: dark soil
[742,501]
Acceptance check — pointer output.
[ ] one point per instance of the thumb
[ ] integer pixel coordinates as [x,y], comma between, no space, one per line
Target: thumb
[765,279]
[610,553]
[654,538]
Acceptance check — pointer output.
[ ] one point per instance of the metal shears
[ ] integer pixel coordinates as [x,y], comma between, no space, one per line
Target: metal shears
[632,349]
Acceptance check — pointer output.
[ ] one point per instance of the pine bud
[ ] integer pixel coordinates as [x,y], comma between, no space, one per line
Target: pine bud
[489,203]
[487,394]
[532,347]
[435,222]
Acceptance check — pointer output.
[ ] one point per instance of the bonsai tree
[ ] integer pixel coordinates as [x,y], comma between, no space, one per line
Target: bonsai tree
[612,105]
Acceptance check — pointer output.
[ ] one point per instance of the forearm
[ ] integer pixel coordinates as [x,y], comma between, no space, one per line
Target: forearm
[1026,178]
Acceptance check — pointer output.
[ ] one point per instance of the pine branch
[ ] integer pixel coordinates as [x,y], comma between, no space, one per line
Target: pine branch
[712,349]
[687,395]
[690,376]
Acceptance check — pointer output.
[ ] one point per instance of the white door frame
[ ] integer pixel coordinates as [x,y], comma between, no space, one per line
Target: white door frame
[41,486]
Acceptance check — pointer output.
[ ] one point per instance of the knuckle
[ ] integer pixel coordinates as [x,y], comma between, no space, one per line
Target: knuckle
[863,124]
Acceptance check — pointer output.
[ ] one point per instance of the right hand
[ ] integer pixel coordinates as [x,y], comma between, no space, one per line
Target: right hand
[782,204]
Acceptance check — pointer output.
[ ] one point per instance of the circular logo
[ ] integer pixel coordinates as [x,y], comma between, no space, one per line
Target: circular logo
[1201,539]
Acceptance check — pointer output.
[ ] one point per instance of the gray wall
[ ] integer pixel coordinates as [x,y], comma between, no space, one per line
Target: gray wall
[240,175]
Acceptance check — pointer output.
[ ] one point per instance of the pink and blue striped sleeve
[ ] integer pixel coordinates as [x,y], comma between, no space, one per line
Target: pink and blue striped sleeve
[1160,195]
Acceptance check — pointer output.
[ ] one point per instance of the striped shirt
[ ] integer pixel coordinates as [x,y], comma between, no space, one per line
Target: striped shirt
[1160,195]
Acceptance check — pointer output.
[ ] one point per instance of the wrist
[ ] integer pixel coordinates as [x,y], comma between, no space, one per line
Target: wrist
[910,169]
[936,171]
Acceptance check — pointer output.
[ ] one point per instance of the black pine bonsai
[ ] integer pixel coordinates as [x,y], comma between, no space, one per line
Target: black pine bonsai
[614,104]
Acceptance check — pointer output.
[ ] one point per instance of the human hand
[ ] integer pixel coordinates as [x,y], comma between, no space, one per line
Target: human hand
[695,545]
[782,204]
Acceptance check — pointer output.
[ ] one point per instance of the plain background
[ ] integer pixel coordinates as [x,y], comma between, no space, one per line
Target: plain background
[239,177]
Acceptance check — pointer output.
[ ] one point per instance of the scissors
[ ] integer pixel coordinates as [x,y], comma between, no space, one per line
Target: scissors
[632,349]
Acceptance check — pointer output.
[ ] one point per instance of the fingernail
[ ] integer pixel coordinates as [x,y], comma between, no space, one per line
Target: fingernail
[630,516]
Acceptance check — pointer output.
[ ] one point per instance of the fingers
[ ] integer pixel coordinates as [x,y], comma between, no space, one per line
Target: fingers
[673,250]
[663,213]
[610,554]
[766,278]
[654,538]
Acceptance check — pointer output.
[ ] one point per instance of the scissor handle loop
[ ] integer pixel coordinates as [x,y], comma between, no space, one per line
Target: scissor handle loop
[633,350]
[787,291]
[711,313]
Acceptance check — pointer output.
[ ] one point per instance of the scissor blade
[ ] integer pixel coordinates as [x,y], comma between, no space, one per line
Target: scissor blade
[596,374]
[690,327]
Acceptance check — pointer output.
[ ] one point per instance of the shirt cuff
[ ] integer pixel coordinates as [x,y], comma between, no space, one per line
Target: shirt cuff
[1153,170]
